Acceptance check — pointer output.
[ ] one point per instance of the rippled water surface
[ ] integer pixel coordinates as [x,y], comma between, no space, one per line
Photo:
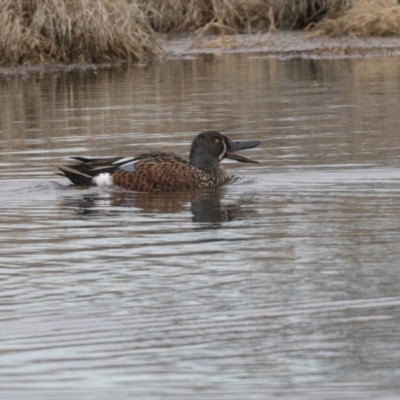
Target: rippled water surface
[285,283]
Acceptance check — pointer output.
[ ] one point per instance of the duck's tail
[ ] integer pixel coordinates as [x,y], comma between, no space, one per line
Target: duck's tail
[88,171]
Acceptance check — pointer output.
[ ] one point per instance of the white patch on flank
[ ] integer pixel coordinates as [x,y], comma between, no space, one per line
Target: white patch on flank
[103,179]
[221,156]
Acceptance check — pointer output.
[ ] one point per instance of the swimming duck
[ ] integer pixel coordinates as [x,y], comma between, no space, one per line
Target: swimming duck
[163,172]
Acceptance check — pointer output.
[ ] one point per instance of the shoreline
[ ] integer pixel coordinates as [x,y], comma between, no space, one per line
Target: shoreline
[282,44]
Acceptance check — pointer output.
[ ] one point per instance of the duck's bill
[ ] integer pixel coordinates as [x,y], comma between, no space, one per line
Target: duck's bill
[233,154]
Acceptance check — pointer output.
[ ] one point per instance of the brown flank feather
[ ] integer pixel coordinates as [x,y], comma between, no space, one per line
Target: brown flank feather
[168,173]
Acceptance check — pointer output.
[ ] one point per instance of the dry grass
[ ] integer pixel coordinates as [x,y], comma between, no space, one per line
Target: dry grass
[33,31]
[365,18]
[290,14]
[176,16]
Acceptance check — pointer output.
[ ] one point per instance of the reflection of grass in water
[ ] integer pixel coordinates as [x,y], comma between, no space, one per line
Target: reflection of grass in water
[365,18]
[92,31]
[73,31]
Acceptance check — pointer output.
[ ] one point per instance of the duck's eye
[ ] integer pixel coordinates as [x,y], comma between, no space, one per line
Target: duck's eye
[216,140]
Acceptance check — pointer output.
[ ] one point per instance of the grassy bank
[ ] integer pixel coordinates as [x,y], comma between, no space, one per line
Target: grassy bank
[94,31]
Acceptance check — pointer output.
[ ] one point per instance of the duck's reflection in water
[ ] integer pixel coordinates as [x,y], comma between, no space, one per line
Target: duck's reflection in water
[205,205]
[212,210]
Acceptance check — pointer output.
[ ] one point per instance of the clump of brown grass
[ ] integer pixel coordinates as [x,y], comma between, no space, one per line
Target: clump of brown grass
[227,16]
[365,18]
[190,15]
[290,14]
[71,31]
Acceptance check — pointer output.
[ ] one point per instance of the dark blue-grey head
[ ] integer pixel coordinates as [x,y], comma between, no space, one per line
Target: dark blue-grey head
[210,147]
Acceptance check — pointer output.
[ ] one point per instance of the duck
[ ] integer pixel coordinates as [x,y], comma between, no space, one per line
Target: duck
[161,171]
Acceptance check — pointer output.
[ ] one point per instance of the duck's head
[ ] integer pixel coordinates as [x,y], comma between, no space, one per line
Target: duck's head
[210,147]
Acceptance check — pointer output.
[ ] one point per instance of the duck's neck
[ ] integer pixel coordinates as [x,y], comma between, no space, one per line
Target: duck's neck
[199,158]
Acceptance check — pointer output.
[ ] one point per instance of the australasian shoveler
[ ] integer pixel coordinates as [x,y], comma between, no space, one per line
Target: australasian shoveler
[163,172]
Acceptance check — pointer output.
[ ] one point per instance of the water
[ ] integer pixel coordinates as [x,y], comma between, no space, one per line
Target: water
[283,284]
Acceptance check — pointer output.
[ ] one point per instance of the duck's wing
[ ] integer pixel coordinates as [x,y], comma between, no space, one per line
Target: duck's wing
[161,172]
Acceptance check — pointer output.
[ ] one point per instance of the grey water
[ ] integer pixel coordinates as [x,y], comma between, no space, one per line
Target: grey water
[284,283]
